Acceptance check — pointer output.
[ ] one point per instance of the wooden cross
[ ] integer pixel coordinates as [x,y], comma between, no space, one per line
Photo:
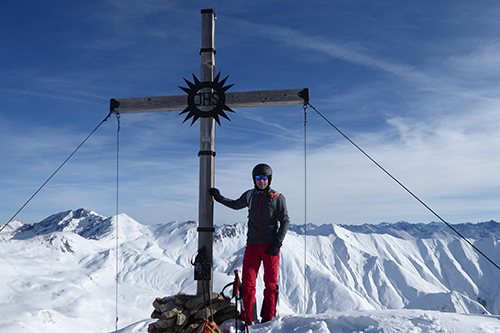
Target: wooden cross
[205,101]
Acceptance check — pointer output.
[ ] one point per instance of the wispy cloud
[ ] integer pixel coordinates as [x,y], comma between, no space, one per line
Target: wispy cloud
[41,95]
[351,52]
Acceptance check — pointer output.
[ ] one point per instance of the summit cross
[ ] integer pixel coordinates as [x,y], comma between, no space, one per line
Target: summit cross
[207,99]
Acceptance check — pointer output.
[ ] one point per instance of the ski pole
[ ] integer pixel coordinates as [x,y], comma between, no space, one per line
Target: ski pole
[242,307]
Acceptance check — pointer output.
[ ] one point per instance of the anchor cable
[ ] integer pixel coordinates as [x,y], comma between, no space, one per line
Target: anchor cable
[117,218]
[54,173]
[404,187]
[305,208]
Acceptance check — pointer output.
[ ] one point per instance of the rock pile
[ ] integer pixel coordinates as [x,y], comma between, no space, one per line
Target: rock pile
[184,313]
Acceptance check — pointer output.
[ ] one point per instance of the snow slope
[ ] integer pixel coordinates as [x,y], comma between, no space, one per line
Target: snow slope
[58,275]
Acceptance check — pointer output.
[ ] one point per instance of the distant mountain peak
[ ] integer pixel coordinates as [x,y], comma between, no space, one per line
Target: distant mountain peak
[85,223]
[230,231]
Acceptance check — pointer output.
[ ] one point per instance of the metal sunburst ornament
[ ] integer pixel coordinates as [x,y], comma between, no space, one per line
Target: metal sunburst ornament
[216,98]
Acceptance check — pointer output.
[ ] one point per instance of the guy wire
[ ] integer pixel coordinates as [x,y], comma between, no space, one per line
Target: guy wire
[305,208]
[117,217]
[405,188]
[54,173]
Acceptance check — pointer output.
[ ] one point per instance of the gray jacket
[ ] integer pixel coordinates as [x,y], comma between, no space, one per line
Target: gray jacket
[268,219]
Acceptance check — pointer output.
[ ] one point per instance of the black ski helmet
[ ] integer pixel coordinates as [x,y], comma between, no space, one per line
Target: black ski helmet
[262,170]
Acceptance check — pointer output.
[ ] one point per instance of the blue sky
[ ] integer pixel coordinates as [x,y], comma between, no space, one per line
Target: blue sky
[415,84]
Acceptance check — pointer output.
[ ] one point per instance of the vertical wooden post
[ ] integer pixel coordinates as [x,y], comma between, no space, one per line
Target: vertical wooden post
[207,146]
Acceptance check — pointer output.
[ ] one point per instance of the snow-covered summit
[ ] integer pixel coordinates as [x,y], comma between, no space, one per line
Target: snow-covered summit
[85,223]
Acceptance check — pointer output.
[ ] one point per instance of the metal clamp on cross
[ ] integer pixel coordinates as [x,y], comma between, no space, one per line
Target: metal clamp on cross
[207,100]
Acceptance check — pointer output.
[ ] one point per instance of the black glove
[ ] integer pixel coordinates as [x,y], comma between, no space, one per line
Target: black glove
[215,193]
[273,250]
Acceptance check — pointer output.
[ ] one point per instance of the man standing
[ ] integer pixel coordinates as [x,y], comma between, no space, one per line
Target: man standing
[267,226]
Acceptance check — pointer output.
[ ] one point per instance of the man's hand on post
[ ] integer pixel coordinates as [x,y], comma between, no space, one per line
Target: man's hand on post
[215,193]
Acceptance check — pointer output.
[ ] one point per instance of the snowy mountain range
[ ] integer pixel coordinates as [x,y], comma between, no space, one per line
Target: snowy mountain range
[60,275]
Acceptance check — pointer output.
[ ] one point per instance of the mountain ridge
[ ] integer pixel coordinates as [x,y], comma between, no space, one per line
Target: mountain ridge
[90,224]
[380,267]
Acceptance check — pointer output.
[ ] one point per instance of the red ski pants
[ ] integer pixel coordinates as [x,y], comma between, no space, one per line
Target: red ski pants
[254,255]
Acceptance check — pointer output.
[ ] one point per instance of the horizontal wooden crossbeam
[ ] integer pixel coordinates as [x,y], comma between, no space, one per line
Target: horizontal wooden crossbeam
[233,100]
